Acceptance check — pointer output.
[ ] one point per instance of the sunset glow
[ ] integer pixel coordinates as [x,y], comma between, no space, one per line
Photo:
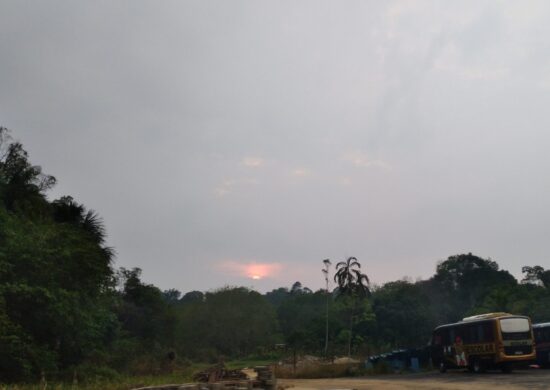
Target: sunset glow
[255,271]
[258,271]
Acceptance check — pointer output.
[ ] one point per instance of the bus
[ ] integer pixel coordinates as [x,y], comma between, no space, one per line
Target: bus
[542,342]
[487,341]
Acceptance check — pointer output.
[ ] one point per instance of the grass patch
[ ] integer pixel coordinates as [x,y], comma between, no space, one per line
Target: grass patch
[320,370]
[124,383]
[380,368]
[248,362]
[92,380]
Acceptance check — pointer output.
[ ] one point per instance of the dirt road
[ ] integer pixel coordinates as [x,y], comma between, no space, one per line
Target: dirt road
[525,379]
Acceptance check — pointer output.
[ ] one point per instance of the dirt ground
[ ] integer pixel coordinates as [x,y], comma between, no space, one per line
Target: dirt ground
[524,379]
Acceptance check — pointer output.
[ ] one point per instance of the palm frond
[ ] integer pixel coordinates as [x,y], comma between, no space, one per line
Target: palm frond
[350,279]
[93,224]
[109,253]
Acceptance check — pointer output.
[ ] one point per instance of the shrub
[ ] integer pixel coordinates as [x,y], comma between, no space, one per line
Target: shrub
[312,371]
[92,373]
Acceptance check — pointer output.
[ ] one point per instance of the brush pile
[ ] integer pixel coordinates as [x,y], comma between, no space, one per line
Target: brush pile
[219,373]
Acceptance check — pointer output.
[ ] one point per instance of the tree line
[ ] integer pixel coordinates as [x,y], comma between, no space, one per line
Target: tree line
[65,310]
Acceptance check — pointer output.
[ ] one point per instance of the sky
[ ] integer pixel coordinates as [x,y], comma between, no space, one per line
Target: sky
[243,142]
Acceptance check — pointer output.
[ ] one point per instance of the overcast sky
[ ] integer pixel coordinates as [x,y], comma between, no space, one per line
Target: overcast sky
[215,135]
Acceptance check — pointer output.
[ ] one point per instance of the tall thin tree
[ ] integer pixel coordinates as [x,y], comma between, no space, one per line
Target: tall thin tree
[353,284]
[325,271]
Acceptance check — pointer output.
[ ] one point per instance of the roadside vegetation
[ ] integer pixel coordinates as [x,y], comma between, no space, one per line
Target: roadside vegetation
[67,315]
[121,383]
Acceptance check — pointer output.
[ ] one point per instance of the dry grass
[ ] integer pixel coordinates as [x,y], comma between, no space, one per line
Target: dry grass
[319,370]
[121,384]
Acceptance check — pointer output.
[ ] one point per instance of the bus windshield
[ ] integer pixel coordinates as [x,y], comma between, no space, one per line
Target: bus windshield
[513,325]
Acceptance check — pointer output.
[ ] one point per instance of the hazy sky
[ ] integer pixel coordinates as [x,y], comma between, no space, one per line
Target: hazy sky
[212,135]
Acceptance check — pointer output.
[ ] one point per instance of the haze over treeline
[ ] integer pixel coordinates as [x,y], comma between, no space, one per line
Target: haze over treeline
[65,310]
[283,132]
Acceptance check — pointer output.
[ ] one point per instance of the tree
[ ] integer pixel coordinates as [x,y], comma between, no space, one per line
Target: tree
[536,275]
[22,185]
[303,314]
[325,271]
[350,279]
[462,281]
[230,321]
[403,314]
[144,311]
[296,288]
[55,274]
[192,296]
[171,296]
[353,285]
[277,296]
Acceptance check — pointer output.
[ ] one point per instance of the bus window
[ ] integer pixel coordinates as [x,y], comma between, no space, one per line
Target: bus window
[469,334]
[488,333]
[444,336]
[514,325]
[463,331]
[480,333]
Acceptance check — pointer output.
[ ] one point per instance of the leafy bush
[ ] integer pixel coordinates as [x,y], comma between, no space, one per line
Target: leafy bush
[90,373]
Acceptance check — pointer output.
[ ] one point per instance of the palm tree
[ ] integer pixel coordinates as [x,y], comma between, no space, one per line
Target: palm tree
[352,284]
[67,210]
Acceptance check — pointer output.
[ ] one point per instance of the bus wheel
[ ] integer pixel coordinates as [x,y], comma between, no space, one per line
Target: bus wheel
[477,366]
[506,368]
[442,367]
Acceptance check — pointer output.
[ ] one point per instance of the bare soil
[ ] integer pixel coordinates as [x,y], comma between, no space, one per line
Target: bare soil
[459,380]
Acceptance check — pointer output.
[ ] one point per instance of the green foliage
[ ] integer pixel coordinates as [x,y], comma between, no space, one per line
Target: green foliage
[66,314]
[403,315]
[102,382]
[322,370]
[350,279]
[93,373]
[54,273]
[353,286]
[463,281]
[536,275]
[14,362]
[22,184]
[144,312]
[301,319]
[229,321]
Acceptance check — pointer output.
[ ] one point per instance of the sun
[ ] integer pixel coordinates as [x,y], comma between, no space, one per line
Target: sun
[253,270]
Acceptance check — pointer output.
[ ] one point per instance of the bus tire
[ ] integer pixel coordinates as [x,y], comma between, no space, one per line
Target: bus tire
[442,367]
[477,366]
[506,368]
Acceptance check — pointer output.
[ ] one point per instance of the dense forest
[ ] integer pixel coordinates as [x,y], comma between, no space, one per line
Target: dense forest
[65,309]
